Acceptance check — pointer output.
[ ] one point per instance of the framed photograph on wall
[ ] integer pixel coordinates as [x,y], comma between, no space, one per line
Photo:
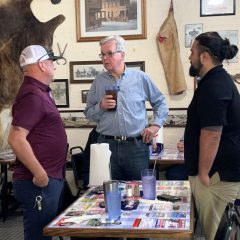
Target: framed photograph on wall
[177,117]
[84,95]
[140,65]
[75,119]
[60,92]
[97,19]
[191,32]
[217,7]
[86,71]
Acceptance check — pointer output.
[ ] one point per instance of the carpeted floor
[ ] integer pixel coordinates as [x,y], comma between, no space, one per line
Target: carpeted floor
[12,228]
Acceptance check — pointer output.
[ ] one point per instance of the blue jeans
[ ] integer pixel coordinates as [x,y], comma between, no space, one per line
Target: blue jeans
[128,158]
[34,220]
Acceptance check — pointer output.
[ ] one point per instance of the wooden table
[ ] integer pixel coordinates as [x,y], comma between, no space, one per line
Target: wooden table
[169,156]
[152,218]
[6,158]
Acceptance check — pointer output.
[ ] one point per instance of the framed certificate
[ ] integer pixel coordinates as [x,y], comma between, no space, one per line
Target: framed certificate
[192,31]
[60,92]
[217,7]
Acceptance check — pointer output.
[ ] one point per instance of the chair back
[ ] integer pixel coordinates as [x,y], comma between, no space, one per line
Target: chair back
[80,167]
[230,224]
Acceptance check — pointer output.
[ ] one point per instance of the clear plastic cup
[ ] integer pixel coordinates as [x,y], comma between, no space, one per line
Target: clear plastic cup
[149,183]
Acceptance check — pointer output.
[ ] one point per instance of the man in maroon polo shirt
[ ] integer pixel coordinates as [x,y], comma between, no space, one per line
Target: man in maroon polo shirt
[38,138]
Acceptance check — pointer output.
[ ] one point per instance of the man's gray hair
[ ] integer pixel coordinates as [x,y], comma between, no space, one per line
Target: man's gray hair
[120,42]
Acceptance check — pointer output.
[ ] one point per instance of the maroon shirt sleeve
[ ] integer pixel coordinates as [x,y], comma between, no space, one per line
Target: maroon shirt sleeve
[28,112]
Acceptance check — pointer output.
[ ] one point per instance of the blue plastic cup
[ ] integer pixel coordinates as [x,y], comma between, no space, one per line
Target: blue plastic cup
[149,183]
[113,205]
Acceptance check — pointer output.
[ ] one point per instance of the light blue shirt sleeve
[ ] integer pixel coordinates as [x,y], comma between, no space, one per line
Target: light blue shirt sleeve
[130,118]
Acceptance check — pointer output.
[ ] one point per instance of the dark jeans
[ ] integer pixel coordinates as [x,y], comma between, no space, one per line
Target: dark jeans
[128,158]
[34,220]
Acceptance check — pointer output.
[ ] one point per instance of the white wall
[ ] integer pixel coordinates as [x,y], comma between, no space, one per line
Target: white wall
[186,12]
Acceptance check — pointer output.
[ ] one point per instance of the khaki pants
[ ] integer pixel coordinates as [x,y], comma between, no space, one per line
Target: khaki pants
[211,201]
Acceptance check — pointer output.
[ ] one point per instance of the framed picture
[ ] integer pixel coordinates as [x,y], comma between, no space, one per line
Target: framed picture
[84,95]
[97,19]
[232,35]
[86,71]
[217,7]
[191,32]
[75,119]
[60,92]
[140,65]
[177,117]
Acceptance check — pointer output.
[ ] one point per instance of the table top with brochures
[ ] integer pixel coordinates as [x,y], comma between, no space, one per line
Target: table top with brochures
[150,217]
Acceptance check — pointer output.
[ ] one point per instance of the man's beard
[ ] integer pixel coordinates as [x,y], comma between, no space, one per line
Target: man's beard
[194,71]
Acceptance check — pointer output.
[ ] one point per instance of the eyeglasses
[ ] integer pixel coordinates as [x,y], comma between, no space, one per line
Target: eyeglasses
[108,54]
[50,53]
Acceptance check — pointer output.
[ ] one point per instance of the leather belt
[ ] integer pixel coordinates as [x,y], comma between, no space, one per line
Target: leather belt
[122,138]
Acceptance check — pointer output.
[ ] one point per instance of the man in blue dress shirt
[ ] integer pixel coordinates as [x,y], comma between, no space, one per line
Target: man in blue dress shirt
[126,129]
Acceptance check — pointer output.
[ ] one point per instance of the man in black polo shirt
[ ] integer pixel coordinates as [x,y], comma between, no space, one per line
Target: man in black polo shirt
[212,134]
